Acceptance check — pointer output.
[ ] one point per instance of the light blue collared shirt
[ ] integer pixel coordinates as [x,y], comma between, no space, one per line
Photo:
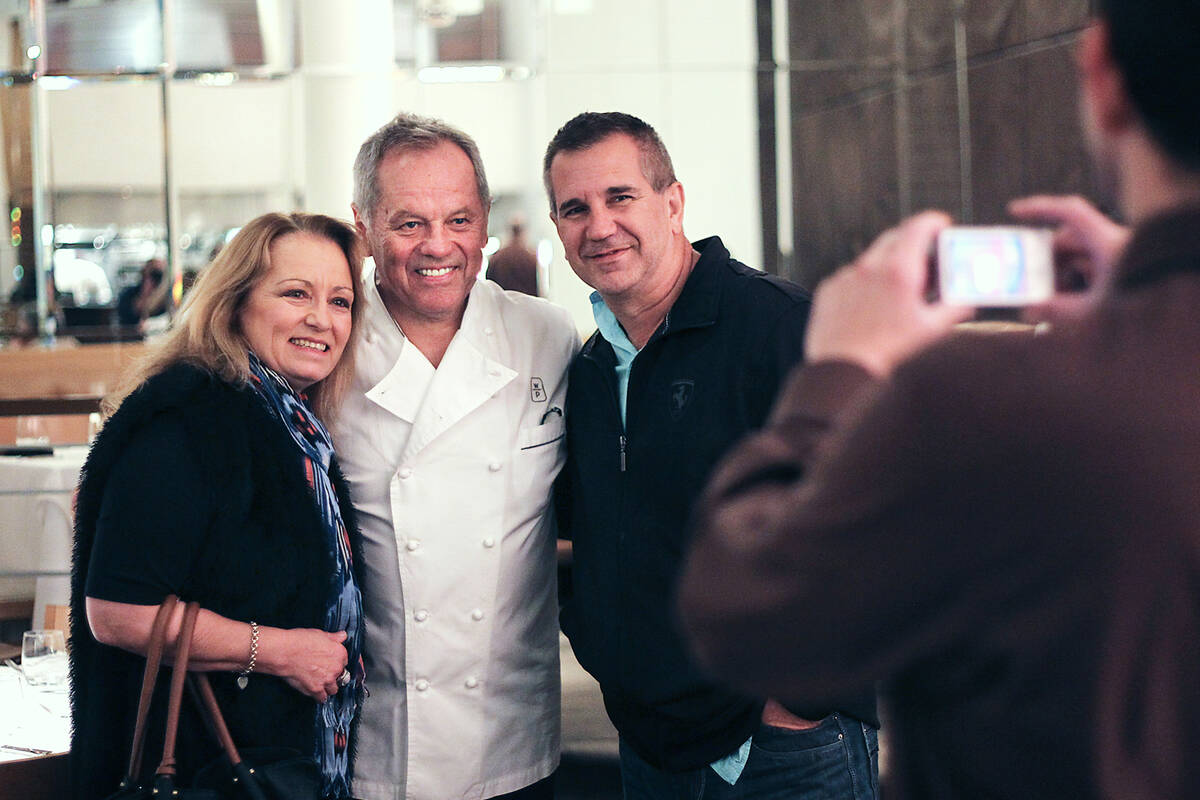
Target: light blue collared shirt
[612,331]
[730,767]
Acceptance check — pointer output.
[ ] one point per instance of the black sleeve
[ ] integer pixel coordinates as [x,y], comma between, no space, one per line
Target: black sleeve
[773,358]
[156,511]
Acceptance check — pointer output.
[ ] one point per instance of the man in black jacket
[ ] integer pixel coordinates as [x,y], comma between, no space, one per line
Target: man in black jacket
[690,349]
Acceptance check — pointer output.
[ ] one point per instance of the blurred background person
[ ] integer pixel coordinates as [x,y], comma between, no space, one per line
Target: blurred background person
[1001,528]
[145,299]
[214,480]
[514,266]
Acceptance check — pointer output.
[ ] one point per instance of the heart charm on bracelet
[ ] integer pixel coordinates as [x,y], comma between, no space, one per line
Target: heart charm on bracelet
[243,681]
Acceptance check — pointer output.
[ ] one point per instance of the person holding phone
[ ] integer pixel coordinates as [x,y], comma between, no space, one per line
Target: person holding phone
[1000,529]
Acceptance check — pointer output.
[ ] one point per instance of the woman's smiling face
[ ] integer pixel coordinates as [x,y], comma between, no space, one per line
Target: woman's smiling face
[297,318]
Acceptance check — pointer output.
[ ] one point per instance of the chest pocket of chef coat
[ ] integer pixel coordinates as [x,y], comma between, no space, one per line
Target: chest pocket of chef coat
[541,450]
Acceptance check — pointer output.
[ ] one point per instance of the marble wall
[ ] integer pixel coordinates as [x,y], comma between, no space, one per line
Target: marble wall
[901,105]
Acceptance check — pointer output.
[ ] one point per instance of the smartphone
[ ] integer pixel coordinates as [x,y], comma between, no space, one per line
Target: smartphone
[995,266]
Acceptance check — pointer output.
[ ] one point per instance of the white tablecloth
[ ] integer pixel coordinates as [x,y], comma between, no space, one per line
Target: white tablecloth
[33,719]
[35,524]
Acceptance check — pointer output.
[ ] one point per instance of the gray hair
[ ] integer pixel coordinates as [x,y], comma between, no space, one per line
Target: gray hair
[410,132]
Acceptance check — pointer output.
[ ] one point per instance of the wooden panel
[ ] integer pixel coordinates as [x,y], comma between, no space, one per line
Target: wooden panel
[87,370]
[1025,132]
[17,139]
[76,404]
[844,183]
[14,609]
[43,778]
[58,618]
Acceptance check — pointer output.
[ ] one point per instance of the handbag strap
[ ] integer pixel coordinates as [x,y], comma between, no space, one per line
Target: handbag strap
[243,774]
[149,679]
[178,675]
[208,702]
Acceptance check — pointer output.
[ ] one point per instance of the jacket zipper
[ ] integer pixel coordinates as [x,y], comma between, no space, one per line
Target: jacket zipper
[621,440]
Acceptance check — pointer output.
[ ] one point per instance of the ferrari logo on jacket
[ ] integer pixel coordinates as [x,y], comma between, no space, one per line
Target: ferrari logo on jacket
[681,395]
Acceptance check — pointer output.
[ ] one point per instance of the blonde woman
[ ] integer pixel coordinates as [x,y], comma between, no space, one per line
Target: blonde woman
[213,479]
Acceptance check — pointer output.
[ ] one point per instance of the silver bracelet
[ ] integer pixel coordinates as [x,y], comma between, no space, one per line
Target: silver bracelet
[243,679]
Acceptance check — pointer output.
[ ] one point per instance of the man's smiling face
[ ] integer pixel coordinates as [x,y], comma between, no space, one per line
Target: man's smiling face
[614,227]
[426,233]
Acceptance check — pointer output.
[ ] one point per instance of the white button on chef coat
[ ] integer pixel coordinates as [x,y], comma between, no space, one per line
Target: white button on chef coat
[482,726]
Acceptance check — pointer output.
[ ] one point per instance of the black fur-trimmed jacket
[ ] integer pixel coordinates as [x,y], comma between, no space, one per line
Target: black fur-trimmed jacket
[264,557]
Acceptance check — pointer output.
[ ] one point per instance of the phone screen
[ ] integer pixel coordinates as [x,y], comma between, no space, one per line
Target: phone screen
[998,266]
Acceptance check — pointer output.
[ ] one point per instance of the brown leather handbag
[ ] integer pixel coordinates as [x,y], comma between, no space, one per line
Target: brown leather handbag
[276,774]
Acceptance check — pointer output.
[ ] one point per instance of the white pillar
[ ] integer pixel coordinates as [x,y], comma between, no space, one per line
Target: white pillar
[347,92]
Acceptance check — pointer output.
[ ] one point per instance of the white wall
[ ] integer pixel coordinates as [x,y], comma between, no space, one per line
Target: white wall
[106,135]
[232,137]
[685,66]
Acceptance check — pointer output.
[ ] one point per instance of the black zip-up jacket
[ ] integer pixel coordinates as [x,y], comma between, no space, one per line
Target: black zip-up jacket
[705,378]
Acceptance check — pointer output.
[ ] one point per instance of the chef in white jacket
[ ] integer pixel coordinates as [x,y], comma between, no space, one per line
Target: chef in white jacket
[451,437]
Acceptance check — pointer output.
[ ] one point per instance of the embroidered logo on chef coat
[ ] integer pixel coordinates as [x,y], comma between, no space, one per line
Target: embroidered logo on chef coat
[681,395]
[537,390]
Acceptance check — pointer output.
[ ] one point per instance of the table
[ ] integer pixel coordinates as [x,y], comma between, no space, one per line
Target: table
[35,526]
[37,778]
[35,721]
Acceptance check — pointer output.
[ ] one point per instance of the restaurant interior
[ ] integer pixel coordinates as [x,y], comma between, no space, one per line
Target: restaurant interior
[138,135]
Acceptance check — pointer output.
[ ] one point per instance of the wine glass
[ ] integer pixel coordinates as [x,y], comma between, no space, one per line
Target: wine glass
[44,658]
[32,430]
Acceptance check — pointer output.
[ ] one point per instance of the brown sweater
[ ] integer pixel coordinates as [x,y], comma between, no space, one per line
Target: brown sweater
[1006,534]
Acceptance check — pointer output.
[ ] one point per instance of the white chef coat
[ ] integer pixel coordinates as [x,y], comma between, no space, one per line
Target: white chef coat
[451,472]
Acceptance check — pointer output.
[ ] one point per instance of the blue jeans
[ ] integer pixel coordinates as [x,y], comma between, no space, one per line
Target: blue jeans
[837,760]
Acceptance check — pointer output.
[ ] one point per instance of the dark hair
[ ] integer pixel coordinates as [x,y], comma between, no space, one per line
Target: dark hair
[410,132]
[1156,45]
[591,127]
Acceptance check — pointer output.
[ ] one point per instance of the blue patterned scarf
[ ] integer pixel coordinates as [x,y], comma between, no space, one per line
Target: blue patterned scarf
[344,599]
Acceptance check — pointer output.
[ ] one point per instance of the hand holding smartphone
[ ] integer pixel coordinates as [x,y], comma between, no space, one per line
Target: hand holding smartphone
[995,266]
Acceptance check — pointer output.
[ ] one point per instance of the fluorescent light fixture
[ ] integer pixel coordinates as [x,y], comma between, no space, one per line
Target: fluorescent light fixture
[217,78]
[573,6]
[483,73]
[54,83]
